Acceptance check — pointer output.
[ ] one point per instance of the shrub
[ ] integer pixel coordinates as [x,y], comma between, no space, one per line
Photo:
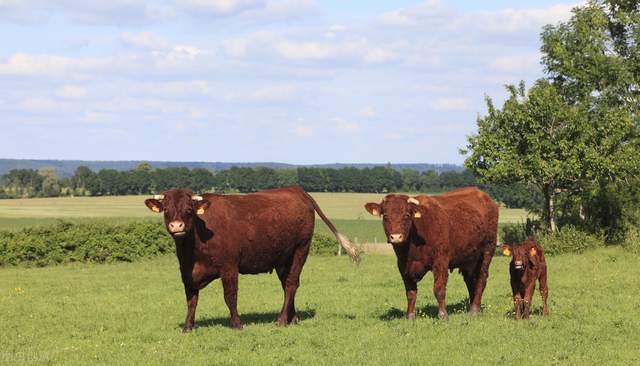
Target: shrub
[569,240]
[99,242]
[515,233]
[632,240]
[323,245]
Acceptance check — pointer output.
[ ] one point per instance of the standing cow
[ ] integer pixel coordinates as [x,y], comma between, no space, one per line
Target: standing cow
[455,230]
[220,236]
[527,266]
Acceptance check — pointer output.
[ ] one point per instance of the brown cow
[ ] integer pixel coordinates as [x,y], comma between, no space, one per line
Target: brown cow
[527,265]
[455,230]
[219,236]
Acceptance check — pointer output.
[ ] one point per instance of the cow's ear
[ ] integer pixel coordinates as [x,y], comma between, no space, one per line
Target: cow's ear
[506,250]
[533,252]
[418,211]
[154,205]
[202,206]
[373,208]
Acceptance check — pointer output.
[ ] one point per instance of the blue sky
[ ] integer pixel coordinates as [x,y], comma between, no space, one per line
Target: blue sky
[296,81]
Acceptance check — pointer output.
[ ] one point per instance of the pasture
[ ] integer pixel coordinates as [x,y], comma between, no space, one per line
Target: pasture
[344,209]
[131,313]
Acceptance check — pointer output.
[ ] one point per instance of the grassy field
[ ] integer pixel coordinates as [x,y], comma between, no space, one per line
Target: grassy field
[346,209]
[132,314]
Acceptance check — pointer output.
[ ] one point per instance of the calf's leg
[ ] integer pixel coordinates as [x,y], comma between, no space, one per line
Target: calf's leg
[528,295]
[230,287]
[544,291]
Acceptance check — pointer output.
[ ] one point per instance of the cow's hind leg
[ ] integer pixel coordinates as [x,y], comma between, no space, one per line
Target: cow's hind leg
[481,276]
[230,287]
[290,279]
[469,280]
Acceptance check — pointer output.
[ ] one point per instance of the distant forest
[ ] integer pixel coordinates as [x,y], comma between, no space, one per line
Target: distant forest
[144,179]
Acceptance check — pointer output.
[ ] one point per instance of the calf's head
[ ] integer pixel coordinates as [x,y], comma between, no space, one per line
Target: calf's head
[399,214]
[180,207]
[524,255]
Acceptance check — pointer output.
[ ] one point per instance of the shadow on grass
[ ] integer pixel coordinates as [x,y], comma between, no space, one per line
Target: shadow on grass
[430,311]
[251,318]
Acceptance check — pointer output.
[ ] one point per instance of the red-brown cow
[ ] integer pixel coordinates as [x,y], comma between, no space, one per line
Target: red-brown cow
[219,236]
[527,266]
[455,230]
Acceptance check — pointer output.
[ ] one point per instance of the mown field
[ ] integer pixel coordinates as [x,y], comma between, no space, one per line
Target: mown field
[344,209]
[132,314]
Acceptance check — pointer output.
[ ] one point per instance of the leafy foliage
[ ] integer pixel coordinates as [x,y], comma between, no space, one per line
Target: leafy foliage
[569,240]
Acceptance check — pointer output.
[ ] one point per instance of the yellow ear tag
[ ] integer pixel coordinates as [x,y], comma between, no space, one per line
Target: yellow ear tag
[506,252]
[417,215]
[533,252]
[200,211]
[155,209]
[375,212]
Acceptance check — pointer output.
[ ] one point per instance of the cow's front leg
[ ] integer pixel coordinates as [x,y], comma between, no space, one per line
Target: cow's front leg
[412,292]
[517,303]
[192,302]
[230,287]
[528,296]
[440,276]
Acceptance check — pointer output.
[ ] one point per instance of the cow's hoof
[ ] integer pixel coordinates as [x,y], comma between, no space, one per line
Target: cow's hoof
[187,330]
[294,320]
[281,323]
[443,315]
[474,310]
[236,325]
[411,316]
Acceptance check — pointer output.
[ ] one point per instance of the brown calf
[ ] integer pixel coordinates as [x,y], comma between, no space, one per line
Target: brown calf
[527,266]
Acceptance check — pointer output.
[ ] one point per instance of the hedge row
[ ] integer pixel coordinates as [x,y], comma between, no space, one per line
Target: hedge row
[100,242]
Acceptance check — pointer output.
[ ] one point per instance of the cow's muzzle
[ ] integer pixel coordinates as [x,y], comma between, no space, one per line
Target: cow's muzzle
[176,228]
[518,265]
[396,238]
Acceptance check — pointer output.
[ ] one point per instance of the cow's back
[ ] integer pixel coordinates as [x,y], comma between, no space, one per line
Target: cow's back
[258,231]
[472,219]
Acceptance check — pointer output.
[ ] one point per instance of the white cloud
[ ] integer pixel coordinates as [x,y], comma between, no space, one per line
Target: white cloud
[219,7]
[450,104]
[39,105]
[303,131]
[368,111]
[346,127]
[511,20]
[145,40]
[71,91]
[514,63]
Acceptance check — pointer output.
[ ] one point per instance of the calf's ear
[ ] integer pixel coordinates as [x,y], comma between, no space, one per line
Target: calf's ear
[202,206]
[154,205]
[373,208]
[506,250]
[533,252]
[532,256]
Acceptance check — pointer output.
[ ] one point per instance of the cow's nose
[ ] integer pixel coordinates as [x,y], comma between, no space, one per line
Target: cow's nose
[518,264]
[396,238]
[176,226]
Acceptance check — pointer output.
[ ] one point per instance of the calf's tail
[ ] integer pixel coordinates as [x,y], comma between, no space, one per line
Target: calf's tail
[345,243]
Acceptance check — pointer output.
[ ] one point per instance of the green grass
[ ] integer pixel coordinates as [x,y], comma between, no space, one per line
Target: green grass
[131,313]
[19,213]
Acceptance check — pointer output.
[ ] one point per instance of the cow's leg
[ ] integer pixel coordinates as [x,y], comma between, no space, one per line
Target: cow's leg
[290,280]
[192,302]
[440,276]
[544,291]
[412,292]
[481,276]
[470,281]
[528,296]
[230,287]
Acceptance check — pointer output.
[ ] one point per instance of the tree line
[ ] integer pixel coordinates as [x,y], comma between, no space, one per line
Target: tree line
[145,180]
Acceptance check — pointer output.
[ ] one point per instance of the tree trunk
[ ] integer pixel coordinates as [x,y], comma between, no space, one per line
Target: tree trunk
[549,211]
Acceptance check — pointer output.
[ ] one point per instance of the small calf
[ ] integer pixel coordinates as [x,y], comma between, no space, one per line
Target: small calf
[527,266]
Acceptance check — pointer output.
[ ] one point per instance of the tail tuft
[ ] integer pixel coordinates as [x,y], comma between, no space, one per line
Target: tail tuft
[352,250]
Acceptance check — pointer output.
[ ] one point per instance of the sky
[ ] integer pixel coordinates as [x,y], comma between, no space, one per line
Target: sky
[293,81]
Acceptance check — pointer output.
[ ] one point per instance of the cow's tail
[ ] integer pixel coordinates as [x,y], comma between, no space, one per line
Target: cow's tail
[345,243]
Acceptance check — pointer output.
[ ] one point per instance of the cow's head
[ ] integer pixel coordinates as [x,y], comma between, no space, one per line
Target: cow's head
[180,207]
[524,255]
[399,214]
